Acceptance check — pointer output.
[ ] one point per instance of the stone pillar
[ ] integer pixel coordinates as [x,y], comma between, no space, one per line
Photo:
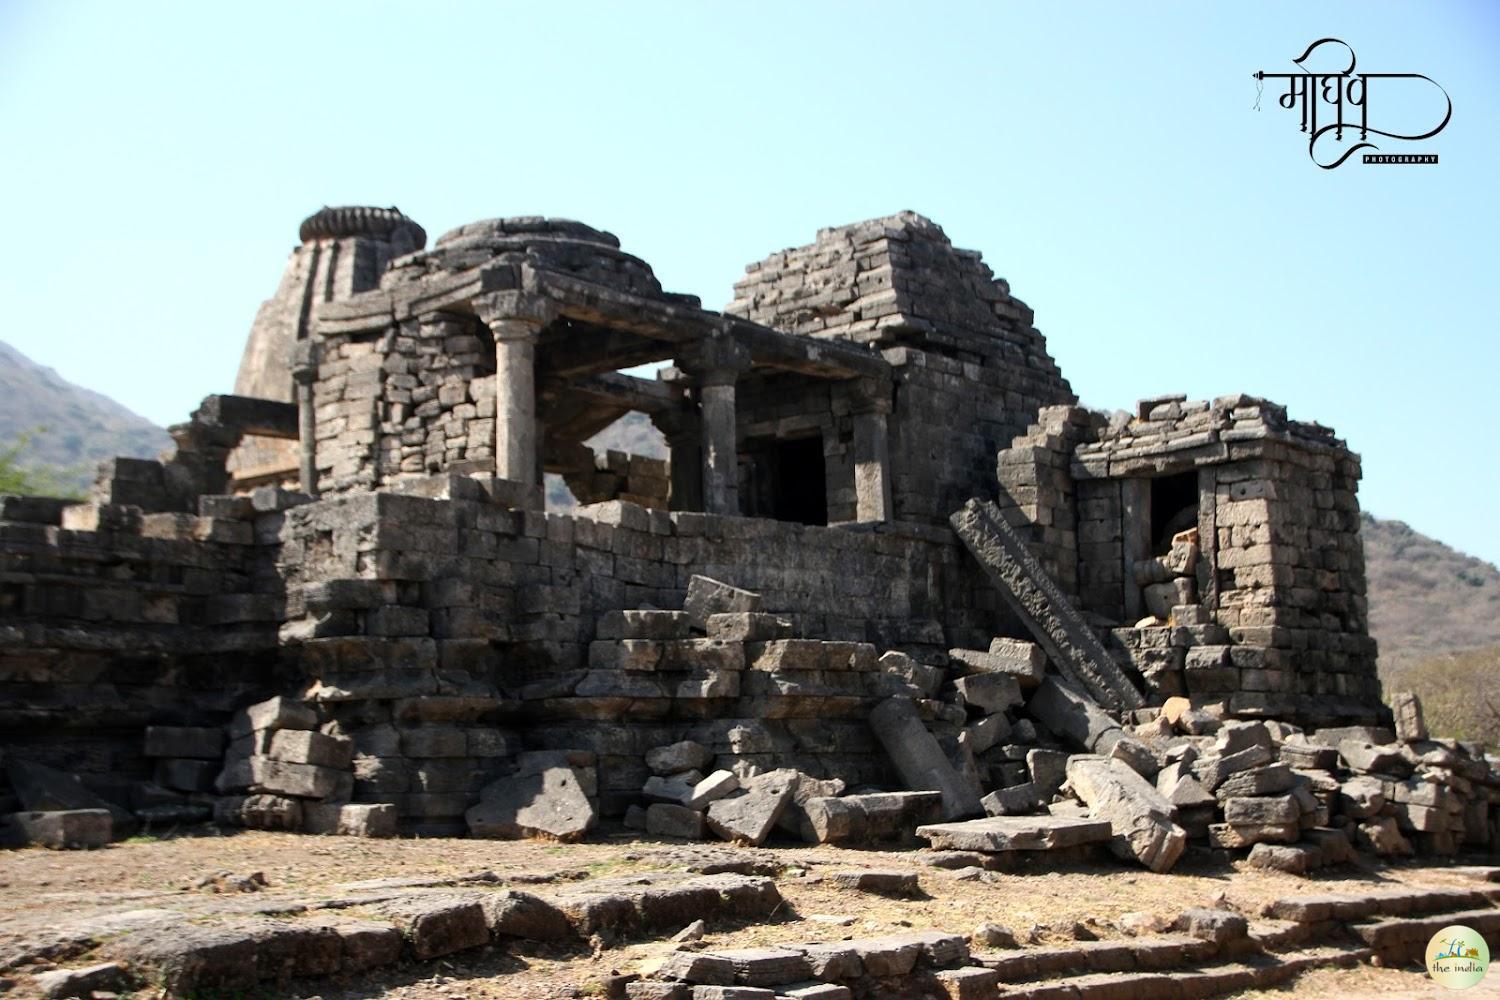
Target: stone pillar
[715,364]
[683,430]
[516,322]
[721,473]
[304,365]
[872,466]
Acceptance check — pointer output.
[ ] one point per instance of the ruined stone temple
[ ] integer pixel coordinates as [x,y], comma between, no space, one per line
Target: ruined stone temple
[889,554]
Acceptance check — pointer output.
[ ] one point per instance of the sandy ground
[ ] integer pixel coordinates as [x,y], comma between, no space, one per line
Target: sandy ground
[40,889]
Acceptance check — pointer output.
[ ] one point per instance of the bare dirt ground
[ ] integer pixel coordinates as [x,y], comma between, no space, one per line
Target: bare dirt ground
[42,889]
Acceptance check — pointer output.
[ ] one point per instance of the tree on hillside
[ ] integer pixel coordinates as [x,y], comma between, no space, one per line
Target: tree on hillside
[23,478]
[1460,693]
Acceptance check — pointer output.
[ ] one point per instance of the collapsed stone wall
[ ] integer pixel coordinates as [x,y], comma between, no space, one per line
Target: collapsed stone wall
[112,619]
[1260,601]
[441,607]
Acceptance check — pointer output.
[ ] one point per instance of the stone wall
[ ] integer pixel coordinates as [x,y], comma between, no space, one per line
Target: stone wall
[442,608]
[112,619]
[970,369]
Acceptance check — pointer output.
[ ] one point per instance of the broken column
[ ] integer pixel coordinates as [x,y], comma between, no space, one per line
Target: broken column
[919,759]
[716,364]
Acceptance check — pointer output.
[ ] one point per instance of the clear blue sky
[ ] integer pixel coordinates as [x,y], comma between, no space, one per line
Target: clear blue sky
[1106,160]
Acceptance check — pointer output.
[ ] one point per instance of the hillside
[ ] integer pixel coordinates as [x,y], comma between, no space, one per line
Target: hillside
[1426,597]
[80,427]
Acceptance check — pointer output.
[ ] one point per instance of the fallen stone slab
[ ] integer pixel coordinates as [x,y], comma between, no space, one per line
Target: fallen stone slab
[1142,821]
[273,713]
[988,692]
[73,829]
[1046,611]
[280,777]
[666,820]
[45,789]
[750,818]
[920,760]
[550,804]
[1371,759]
[869,817]
[1068,711]
[1015,833]
[707,597]
[513,913]
[305,746]
[890,882]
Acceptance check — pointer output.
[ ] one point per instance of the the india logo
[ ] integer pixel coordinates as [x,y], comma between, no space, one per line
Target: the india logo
[1457,957]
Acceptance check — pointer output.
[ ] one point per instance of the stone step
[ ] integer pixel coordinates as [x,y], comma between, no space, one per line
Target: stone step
[422,925]
[1123,955]
[1199,980]
[1402,939]
[1397,903]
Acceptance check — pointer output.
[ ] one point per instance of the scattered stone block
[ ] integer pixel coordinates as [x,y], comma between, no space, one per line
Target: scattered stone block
[694,967]
[279,777]
[272,714]
[1234,837]
[1015,833]
[1069,712]
[678,757]
[350,819]
[1292,859]
[1407,709]
[919,759]
[551,804]
[750,818]
[766,966]
[713,788]
[748,626]
[438,925]
[833,961]
[1218,926]
[707,597]
[1371,759]
[106,977]
[66,829]
[988,692]
[305,746]
[1261,810]
[1142,821]
[666,820]
[1270,779]
[884,882]
[1015,800]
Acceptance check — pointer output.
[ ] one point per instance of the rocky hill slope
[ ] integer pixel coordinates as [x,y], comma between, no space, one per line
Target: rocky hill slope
[71,429]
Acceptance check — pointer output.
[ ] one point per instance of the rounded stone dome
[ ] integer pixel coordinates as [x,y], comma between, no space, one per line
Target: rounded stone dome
[387,224]
[560,245]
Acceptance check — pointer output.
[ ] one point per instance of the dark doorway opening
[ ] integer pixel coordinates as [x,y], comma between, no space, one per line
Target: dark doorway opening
[785,480]
[1174,508]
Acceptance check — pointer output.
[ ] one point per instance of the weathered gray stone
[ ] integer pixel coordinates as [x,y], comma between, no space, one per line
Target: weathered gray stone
[1261,810]
[919,759]
[73,828]
[1218,926]
[750,818]
[712,788]
[1069,712]
[666,820]
[1141,819]
[1410,723]
[1271,779]
[1015,833]
[350,819]
[707,597]
[440,924]
[1371,759]
[551,804]
[106,977]
[990,692]
[271,714]
[1045,610]
[281,777]
[300,746]
[686,755]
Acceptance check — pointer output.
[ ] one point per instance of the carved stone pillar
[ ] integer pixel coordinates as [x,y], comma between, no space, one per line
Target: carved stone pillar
[683,430]
[304,365]
[516,322]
